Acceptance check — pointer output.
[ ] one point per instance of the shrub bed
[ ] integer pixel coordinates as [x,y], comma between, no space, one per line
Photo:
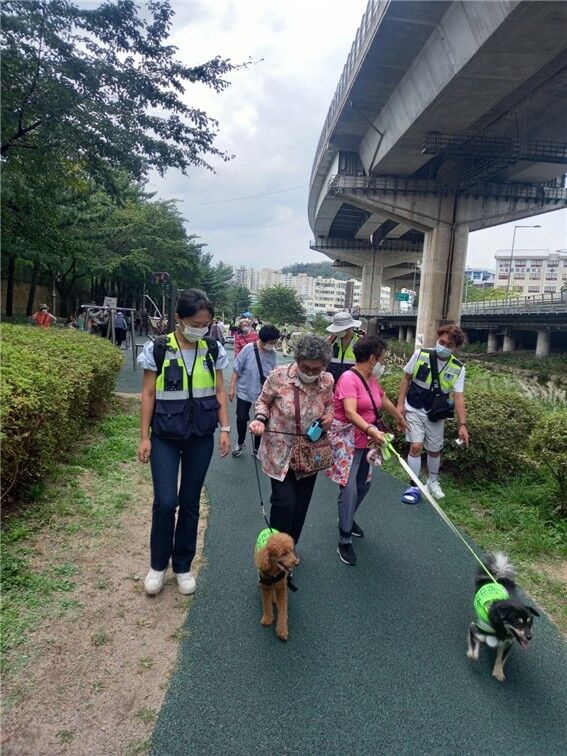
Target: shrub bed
[52,381]
[499,420]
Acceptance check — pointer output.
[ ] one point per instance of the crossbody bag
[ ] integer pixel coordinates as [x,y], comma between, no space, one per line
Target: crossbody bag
[308,457]
[441,407]
[259,363]
[378,419]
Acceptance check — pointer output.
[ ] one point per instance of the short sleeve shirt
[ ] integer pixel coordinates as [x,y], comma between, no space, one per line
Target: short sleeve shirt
[350,386]
[459,386]
[146,358]
[249,385]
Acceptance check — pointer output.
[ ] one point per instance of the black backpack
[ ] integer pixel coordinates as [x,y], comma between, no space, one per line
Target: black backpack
[160,348]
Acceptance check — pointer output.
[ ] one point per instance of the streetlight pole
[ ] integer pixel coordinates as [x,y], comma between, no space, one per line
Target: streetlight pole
[512,255]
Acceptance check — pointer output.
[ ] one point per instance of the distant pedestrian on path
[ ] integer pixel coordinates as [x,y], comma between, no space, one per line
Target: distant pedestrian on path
[358,401]
[342,340]
[183,402]
[120,327]
[252,366]
[244,335]
[43,318]
[307,379]
[416,398]
[217,331]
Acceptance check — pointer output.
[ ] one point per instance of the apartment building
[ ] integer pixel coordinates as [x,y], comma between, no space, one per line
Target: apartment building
[531,272]
[480,277]
[318,294]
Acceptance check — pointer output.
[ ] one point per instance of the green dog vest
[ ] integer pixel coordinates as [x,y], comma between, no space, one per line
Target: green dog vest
[263,536]
[483,599]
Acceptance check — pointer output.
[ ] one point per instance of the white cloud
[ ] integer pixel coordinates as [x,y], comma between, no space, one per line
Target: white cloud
[270,119]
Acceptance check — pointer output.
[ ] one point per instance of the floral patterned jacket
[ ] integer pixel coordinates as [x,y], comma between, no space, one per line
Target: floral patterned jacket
[341,437]
[276,402]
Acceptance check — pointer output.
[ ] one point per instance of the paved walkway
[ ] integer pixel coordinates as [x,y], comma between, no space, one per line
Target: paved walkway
[375,662]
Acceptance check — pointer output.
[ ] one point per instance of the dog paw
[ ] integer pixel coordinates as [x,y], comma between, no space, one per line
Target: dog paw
[498,675]
[282,634]
[267,621]
[472,653]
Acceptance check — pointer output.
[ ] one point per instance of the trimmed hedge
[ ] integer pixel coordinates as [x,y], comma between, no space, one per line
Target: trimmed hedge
[499,421]
[51,381]
[548,447]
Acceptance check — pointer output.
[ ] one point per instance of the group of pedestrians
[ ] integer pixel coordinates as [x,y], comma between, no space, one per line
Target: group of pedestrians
[321,412]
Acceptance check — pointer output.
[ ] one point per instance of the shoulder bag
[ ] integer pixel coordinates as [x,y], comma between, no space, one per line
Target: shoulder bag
[308,457]
[378,420]
[262,376]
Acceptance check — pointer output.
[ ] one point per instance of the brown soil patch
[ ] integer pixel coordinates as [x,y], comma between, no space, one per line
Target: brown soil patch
[96,682]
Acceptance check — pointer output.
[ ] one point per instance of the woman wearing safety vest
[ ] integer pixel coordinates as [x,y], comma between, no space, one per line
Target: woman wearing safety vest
[342,341]
[416,397]
[183,402]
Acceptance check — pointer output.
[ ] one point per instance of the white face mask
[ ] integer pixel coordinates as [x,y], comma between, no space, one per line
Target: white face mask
[340,334]
[269,347]
[245,330]
[378,369]
[193,334]
[443,351]
[306,378]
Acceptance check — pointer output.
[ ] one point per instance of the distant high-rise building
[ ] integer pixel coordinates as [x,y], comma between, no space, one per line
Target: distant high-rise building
[533,271]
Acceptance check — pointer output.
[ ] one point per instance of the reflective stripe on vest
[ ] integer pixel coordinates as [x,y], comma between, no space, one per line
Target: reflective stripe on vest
[448,375]
[348,356]
[203,383]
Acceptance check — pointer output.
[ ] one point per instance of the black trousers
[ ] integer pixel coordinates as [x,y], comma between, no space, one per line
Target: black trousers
[242,418]
[290,501]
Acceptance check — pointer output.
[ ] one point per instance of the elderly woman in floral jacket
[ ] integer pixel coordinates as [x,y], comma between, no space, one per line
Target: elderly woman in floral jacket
[275,421]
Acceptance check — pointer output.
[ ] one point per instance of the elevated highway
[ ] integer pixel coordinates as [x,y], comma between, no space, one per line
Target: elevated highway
[544,314]
[449,117]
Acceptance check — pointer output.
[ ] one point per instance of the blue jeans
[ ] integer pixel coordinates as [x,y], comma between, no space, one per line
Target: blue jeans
[168,539]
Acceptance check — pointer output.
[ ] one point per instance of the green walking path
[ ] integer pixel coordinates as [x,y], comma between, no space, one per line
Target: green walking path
[376,659]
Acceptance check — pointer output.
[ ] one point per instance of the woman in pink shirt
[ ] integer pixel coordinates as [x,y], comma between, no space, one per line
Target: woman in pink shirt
[358,399]
[245,335]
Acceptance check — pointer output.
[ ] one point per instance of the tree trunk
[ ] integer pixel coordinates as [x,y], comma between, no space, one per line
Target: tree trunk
[33,286]
[10,286]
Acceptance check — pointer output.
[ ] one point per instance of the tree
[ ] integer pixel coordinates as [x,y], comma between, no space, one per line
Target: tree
[101,85]
[239,300]
[324,269]
[319,323]
[472,293]
[279,304]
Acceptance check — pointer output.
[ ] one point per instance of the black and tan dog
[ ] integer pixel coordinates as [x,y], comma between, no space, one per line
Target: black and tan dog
[501,615]
[275,559]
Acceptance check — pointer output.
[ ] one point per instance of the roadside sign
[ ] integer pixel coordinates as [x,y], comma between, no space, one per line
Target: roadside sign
[401,296]
[110,302]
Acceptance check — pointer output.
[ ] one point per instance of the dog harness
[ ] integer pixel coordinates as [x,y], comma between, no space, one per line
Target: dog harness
[261,542]
[483,600]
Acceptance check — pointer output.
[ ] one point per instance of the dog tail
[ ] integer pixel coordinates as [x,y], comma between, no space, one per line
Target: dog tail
[500,567]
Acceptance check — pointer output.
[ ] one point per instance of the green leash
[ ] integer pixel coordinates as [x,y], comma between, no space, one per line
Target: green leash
[387,450]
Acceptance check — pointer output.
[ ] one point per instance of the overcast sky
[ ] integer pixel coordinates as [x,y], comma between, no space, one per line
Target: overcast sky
[270,119]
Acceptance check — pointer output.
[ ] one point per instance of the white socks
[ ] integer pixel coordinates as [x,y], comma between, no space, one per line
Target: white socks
[433,464]
[415,464]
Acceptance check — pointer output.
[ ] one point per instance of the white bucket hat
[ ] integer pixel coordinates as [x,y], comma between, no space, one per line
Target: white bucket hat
[342,321]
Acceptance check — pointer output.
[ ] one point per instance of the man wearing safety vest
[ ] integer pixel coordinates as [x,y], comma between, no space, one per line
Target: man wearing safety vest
[342,340]
[416,396]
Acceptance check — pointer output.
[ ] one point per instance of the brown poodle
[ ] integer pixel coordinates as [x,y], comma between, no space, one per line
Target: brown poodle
[274,562]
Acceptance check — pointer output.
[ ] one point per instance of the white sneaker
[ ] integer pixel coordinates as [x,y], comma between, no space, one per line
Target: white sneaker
[154,582]
[435,489]
[186,583]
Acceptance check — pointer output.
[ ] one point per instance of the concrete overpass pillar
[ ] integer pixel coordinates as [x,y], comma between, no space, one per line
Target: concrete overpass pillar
[410,334]
[509,341]
[543,345]
[442,275]
[372,274]
[492,344]
[401,333]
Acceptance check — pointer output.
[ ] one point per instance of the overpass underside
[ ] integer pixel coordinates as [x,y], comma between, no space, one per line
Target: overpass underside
[449,117]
